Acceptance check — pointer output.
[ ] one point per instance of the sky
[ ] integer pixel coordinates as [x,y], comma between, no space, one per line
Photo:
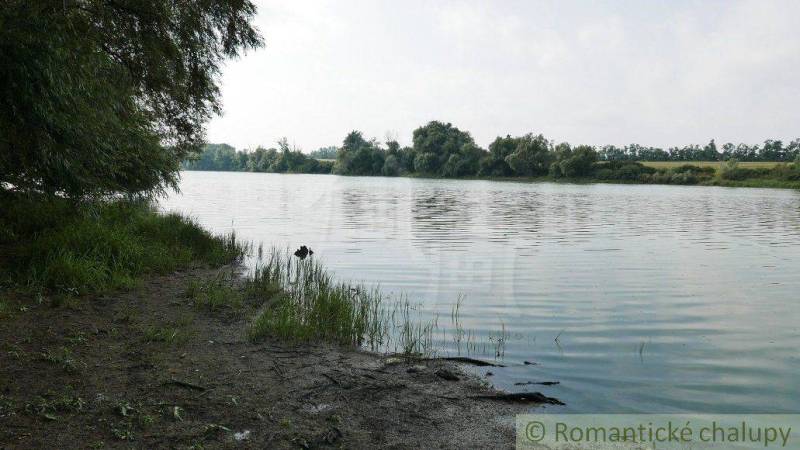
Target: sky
[662,73]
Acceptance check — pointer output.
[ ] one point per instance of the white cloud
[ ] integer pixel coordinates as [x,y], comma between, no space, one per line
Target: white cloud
[667,73]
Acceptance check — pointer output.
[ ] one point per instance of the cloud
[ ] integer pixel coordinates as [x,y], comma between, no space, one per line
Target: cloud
[667,73]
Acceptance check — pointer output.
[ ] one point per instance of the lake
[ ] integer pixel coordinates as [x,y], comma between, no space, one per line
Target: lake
[636,298]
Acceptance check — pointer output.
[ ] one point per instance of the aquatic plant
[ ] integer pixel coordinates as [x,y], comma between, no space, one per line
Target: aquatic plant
[302,302]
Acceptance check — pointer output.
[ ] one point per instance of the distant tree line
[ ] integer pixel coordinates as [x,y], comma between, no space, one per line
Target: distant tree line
[771,151]
[223,157]
[442,150]
[325,153]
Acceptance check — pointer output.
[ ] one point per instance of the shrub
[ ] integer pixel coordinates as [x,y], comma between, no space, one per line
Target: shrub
[102,245]
[623,170]
[574,163]
[731,171]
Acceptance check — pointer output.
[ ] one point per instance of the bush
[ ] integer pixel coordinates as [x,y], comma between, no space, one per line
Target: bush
[425,163]
[685,174]
[492,166]
[623,171]
[604,174]
[574,163]
[391,166]
[708,170]
[787,172]
[92,247]
[731,171]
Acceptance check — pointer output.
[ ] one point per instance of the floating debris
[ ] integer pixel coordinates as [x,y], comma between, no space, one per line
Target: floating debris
[303,252]
[521,397]
[447,375]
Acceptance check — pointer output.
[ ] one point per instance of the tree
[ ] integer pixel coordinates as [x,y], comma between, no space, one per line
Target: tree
[773,151]
[710,152]
[464,163]
[426,163]
[531,156]
[105,96]
[438,141]
[569,162]
[324,153]
[359,156]
[494,164]
[391,167]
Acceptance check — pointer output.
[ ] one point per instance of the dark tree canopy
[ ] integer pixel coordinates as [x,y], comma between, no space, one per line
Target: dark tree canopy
[531,156]
[108,96]
[224,157]
[435,142]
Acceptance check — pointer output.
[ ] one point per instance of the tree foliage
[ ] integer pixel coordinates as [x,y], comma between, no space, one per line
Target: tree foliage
[442,150]
[325,153]
[224,157]
[531,156]
[105,96]
[435,143]
[772,150]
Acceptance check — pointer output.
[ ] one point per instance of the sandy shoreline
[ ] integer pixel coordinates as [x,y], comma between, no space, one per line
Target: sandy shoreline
[147,369]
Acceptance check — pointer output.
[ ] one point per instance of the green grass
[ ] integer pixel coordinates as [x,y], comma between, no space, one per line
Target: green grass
[164,334]
[216,293]
[305,304]
[58,245]
[715,164]
[48,405]
[311,306]
[758,183]
[62,358]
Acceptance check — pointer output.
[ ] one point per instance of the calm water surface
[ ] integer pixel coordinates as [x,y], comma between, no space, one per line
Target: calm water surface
[662,298]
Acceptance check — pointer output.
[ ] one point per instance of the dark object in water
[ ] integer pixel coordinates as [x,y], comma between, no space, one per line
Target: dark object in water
[465,360]
[303,251]
[522,397]
[447,375]
[543,383]
[528,363]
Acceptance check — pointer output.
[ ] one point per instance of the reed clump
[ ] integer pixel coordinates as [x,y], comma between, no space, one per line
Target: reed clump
[302,302]
[307,304]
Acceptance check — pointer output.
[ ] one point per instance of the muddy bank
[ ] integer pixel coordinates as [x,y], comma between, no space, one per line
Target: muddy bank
[148,368]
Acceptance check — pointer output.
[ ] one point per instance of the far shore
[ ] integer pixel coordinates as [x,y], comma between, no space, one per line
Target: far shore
[765,183]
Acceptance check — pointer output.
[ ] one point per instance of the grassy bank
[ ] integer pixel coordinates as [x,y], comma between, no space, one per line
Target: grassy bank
[60,246]
[57,249]
[690,173]
[205,358]
[715,164]
[674,176]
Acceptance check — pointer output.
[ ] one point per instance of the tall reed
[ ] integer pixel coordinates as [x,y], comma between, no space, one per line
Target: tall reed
[302,302]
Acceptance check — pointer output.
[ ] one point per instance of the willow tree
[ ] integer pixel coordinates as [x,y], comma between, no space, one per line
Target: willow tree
[108,96]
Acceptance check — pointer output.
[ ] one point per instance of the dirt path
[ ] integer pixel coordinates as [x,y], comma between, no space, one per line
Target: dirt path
[147,369]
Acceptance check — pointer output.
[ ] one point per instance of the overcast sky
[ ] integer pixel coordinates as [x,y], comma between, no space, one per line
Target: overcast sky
[660,73]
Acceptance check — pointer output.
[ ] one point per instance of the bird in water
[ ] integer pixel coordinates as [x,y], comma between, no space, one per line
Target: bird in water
[303,252]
